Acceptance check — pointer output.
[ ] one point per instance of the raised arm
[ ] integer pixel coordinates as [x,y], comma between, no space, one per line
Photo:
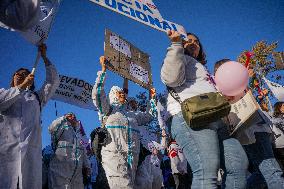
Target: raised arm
[52,79]
[173,68]
[145,117]
[98,94]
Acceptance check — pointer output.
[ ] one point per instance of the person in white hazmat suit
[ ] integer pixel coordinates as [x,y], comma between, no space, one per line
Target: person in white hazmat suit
[20,129]
[149,174]
[121,152]
[70,157]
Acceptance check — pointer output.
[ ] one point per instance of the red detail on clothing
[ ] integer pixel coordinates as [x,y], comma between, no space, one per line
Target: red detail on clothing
[173,153]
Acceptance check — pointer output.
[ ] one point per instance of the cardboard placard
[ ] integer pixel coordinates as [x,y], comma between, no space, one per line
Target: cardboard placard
[127,60]
[279,60]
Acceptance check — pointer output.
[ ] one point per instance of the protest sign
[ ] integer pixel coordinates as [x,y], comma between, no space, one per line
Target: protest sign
[279,60]
[40,31]
[143,11]
[127,60]
[74,91]
[276,89]
[244,113]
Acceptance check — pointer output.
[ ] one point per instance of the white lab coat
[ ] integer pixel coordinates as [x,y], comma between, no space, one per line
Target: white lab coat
[20,134]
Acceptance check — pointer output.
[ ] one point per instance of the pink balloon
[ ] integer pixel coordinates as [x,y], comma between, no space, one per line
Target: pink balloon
[231,78]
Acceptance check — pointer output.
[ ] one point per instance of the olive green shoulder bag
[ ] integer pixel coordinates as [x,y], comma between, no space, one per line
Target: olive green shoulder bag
[200,110]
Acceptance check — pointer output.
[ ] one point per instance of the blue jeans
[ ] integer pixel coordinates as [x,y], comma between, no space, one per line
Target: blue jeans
[203,153]
[265,168]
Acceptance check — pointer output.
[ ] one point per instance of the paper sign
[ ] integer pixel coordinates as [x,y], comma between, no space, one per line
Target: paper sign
[139,73]
[75,91]
[120,45]
[244,113]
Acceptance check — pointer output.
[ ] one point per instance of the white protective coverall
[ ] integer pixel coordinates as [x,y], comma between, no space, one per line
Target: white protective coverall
[65,169]
[120,154]
[149,174]
[20,134]
[178,160]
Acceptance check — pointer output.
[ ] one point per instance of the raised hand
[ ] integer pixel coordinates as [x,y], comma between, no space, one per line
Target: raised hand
[28,82]
[174,36]
[103,63]
[152,93]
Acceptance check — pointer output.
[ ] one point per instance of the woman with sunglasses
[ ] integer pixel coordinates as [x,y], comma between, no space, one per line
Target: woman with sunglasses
[20,129]
[204,146]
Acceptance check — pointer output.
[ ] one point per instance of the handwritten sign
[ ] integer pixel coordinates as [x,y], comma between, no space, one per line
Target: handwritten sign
[120,45]
[74,91]
[127,60]
[279,60]
[139,73]
[244,113]
[40,31]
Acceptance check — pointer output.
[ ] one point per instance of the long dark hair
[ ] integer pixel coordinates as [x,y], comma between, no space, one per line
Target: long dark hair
[32,88]
[277,107]
[201,55]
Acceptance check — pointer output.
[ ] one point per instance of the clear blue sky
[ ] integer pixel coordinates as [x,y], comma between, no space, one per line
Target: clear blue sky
[225,28]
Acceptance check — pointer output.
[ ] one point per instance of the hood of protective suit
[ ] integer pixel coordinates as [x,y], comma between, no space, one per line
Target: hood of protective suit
[112,95]
[154,145]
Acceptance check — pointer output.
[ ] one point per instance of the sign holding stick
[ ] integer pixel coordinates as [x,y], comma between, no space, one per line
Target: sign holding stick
[127,60]
[36,62]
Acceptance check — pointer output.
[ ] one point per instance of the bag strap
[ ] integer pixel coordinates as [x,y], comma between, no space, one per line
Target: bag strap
[174,94]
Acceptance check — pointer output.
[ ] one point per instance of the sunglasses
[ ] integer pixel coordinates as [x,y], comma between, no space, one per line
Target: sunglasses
[22,73]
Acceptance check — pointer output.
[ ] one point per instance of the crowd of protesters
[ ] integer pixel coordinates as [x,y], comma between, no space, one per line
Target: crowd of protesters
[123,152]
